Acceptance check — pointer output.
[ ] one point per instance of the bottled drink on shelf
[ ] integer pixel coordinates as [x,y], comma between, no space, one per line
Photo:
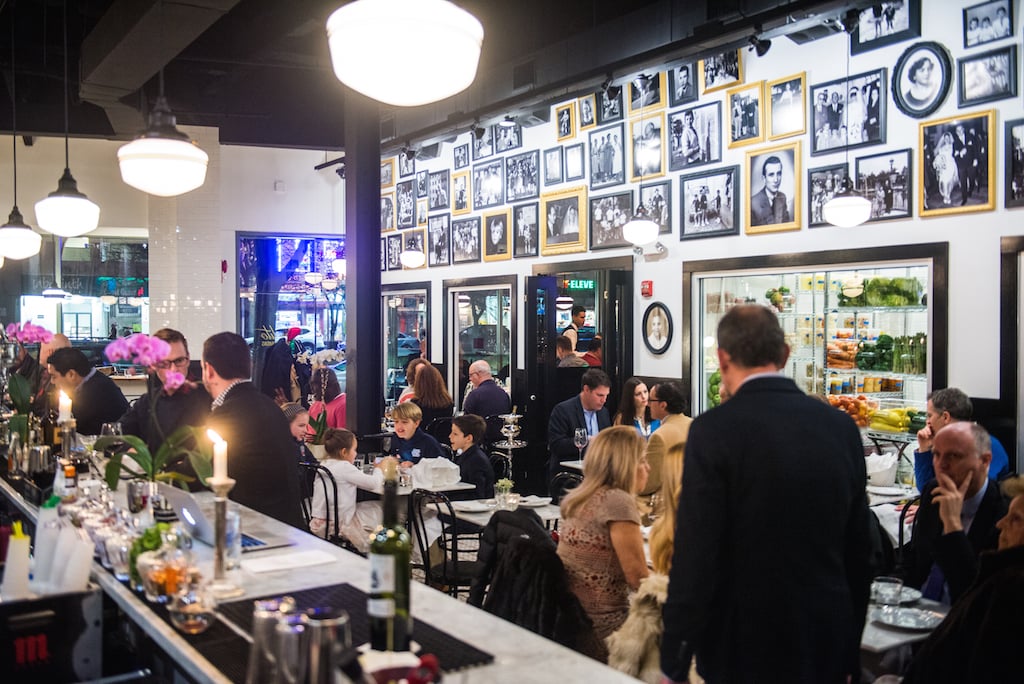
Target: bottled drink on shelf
[390,550]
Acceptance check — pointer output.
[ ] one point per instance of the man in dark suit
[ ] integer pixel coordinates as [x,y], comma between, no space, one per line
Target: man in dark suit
[965,152]
[95,399]
[746,559]
[586,411]
[835,112]
[769,204]
[261,452]
[486,399]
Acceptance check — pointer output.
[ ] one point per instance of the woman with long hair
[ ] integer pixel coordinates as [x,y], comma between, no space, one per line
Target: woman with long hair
[431,395]
[634,409]
[327,397]
[409,393]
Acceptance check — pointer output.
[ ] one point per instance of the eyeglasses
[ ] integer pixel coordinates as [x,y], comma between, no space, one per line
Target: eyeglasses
[179,362]
[651,397]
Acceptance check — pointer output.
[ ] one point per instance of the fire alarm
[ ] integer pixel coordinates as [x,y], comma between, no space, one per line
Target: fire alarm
[647,288]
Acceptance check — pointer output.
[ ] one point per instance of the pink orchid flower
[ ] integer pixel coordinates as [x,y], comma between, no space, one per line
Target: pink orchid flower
[118,350]
[173,380]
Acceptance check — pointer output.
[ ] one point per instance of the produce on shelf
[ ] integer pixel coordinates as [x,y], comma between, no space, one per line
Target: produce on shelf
[841,354]
[777,296]
[714,384]
[885,292]
[860,408]
[893,419]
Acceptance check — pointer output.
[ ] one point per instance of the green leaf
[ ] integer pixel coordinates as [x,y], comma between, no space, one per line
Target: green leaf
[175,478]
[20,392]
[19,424]
[319,425]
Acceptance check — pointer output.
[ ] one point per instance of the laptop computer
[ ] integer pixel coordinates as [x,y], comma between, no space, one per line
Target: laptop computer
[200,526]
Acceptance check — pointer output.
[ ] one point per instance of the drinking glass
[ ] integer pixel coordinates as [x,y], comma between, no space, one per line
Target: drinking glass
[138,494]
[888,591]
[292,649]
[580,439]
[111,430]
[232,540]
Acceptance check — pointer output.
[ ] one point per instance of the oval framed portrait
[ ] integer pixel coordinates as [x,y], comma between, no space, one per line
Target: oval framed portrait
[921,79]
[657,328]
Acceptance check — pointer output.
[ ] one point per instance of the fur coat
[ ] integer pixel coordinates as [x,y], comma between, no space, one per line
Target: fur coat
[635,647]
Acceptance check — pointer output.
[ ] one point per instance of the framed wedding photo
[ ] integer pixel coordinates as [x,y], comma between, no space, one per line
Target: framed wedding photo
[647,147]
[488,184]
[720,71]
[608,214]
[1013,173]
[563,216]
[886,23]
[460,193]
[656,200]
[466,240]
[647,92]
[588,111]
[745,104]
[607,157]
[822,185]
[439,240]
[497,237]
[773,189]
[921,79]
[682,84]
[987,22]
[695,136]
[987,77]
[565,116]
[886,180]
[657,328]
[526,224]
[957,165]
[522,176]
[707,203]
[786,114]
[553,173]
[574,162]
[849,112]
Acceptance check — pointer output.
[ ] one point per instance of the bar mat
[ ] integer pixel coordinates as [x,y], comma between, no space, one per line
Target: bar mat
[220,644]
[452,654]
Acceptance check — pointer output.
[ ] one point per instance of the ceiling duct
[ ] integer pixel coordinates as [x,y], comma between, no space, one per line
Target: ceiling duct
[534,118]
[431,151]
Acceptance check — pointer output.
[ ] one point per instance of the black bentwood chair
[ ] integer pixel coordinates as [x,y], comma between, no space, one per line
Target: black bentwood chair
[447,573]
[321,477]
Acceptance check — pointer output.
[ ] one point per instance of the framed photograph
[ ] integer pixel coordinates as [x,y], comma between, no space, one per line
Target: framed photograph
[439,193]
[466,240]
[387,212]
[886,23]
[522,176]
[957,165]
[921,79]
[565,115]
[439,240]
[987,77]
[707,202]
[506,137]
[488,184]
[387,173]
[695,136]
[647,92]
[460,193]
[822,185]
[383,254]
[461,156]
[482,139]
[609,105]
[746,114]
[406,165]
[721,70]
[786,113]
[987,22]
[574,169]
[394,250]
[773,188]
[656,200]
[607,157]
[647,147]
[415,241]
[886,180]
[553,172]
[421,184]
[682,84]
[564,218]
[607,216]
[405,198]
[421,212]
[1013,174]
[497,236]
[849,112]
[657,328]
[588,111]
[526,223]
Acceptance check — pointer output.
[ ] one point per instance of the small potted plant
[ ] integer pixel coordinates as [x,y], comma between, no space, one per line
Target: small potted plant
[316,440]
[503,494]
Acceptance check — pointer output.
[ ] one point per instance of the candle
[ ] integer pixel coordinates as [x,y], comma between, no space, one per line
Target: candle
[65,408]
[220,455]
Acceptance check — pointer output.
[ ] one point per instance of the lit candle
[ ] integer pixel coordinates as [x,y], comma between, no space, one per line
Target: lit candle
[65,408]
[220,455]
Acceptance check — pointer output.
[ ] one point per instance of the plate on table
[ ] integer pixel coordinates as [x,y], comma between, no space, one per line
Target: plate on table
[887,491]
[472,506]
[907,595]
[534,501]
[916,619]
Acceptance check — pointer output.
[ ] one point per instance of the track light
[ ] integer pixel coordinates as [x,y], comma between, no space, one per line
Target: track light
[478,131]
[340,171]
[641,81]
[409,153]
[507,122]
[611,91]
[759,45]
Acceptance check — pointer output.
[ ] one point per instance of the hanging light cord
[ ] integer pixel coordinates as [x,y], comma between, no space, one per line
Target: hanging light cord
[67,163]
[14,114]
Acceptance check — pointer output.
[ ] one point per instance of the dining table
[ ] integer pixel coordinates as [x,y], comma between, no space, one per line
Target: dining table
[572,465]
[479,511]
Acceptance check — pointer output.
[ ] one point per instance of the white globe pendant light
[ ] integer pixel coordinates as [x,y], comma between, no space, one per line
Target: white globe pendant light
[447,67]
[163,161]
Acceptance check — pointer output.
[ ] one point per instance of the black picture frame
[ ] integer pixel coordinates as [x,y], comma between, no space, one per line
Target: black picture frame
[608,214]
[394,250]
[709,218]
[526,227]
[683,84]
[1013,169]
[405,204]
[460,156]
[506,137]
[554,172]
[956,164]
[466,240]
[609,105]
[483,144]
[607,156]
[987,77]
[439,240]
[823,183]
[415,241]
[488,184]
[522,176]
[657,344]
[406,165]
[421,184]
[999,28]
[575,162]
[656,200]
[886,179]
[917,89]
[387,212]
[886,24]
[439,194]
[383,254]
[707,122]
[827,138]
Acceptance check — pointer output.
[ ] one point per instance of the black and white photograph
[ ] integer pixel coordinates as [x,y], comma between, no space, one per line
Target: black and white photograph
[608,215]
[466,240]
[721,70]
[987,22]
[563,217]
[921,79]
[588,112]
[695,136]
[647,147]
[506,137]
[421,212]
[987,77]
[707,203]
[522,176]
[646,92]
[822,185]
[656,201]
[773,189]
[553,166]
[460,156]
[849,112]
[526,224]
[886,180]
[439,196]
[421,184]
[682,84]
[657,328]
[497,237]
[405,199]
[607,157]
[483,141]
[439,240]
[746,114]
[460,193]
[387,212]
[565,119]
[609,105]
[786,115]
[1013,142]
[574,162]
[886,23]
[415,241]
[956,163]
[394,250]
[383,254]
[406,165]
[387,173]
[488,184]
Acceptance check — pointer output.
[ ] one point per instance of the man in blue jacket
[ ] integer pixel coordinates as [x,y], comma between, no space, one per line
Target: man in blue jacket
[945,407]
[586,411]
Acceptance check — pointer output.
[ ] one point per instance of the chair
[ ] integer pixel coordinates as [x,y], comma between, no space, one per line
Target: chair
[449,573]
[562,483]
[441,430]
[319,476]
[500,464]
[901,545]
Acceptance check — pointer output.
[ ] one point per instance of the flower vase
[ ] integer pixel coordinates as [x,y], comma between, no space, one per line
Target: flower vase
[318,450]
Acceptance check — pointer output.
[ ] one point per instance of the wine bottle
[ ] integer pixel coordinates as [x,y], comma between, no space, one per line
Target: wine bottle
[390,547]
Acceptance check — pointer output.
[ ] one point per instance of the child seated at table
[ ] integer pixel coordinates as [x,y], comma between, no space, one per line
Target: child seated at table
[411,443]
[467,431]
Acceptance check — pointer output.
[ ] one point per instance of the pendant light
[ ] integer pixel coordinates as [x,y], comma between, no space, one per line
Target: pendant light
[360,28]
[66,211]
[17,240]
[847,208]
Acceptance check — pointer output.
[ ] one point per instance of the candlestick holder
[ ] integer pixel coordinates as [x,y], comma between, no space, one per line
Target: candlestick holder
[221,587]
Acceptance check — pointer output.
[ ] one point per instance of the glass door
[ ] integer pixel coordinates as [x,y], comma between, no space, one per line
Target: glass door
[480,324]
[405,320]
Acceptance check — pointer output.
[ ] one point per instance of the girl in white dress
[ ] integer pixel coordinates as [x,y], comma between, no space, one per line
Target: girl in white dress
[355,520]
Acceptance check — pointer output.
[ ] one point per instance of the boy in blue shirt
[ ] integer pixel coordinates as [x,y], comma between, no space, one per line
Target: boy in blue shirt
[467,431]
[411,443]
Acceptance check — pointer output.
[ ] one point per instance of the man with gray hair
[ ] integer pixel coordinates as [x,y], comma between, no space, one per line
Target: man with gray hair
[945,407]
[487,398]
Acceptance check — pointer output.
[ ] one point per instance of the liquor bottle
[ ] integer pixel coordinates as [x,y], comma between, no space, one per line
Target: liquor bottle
[390,547]
[51,430]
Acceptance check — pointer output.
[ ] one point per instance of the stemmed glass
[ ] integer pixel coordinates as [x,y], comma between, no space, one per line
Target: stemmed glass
[580,439]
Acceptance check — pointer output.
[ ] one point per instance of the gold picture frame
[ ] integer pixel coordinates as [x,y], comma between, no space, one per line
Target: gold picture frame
[565,121]
[421,212]
[941,188]
[559,211]
[415,237]
[786,106]
[462,198]
[387,212]
[497,247]
[588,111]
[653,97]
[387,173]
[647,153]
[721,70]
[778,165]
[744,105]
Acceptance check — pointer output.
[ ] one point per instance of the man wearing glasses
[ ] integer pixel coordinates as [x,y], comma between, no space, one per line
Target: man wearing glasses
[189,404]
[667,402]
[487,398]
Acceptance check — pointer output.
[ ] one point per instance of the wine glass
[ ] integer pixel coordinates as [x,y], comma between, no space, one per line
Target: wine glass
[580,439]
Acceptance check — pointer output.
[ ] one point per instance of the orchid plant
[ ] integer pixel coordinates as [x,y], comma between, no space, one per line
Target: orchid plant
[18,386]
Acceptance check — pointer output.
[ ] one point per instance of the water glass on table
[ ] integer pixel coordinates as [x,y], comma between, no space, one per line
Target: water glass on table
[580,439]
[888,593]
